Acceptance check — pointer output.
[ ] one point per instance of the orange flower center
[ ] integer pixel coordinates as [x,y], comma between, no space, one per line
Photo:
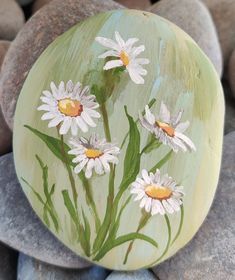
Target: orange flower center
[169,130]
[70,107]
[158,192]
[93,153]
[124,58]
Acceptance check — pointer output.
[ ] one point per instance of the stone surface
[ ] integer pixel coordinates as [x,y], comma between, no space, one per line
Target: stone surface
[5,136]
[43,27]
[8,263]
[11,19]
[194,18]
[31,269]
[231,72]
[4,45]
[211,254]
[21,229]
[135,275]
[223,14]
[38,4]
[135,4]
[24,2]
[5,133]
[230,109]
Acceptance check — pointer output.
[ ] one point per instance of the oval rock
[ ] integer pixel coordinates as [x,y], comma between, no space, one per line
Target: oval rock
[121,123]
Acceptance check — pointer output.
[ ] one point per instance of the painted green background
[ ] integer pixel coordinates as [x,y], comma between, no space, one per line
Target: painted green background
[178,74]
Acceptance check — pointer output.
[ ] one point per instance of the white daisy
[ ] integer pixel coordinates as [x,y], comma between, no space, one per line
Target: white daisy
[126,55]
[168,130]
[156,194]
[69,107]
[93,154]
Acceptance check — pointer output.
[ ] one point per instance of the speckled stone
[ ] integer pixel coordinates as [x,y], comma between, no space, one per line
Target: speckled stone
[51,21]
[5,133]
[21,229]
[31,269]
[211,254]
[38,4]
[11,19]
[231,72]
[8,263]
[135,275]
[230,109]
[4,45]
[5,136]
[194,18]
[223,12]
[135,4]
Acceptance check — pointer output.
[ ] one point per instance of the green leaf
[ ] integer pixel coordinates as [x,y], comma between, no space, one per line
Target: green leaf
[150,104]
[131,162]
[52,143]
[87,233]
[152,144]
[114,229]
[110,244]
[71,209]
[132,157]
[161,162]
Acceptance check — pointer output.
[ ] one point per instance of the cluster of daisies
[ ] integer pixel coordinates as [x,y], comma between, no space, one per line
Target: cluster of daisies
[71,107]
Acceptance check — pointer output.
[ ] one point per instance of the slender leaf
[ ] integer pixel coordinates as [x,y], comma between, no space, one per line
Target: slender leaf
[132,157]
[70,207]
[32,189]
[52,143]
[87,232]
[114,229]
[131,163]
[150,104]
[110,244]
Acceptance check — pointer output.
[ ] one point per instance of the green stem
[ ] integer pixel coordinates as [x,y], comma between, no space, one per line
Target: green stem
[90,200]
[167,245]
[105,122]
[180,225]
[142,224]
[161,162]
[149,144]
[67,165]
[102,233]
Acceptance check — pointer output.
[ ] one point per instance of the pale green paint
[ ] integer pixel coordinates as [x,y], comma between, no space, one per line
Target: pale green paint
[180,75]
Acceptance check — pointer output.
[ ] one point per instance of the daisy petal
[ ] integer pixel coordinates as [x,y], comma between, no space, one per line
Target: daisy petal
[113,64]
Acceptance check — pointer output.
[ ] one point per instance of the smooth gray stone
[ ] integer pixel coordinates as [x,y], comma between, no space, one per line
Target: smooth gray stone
[211,254]
[132,275]
[230,110]
[8,263]
[31,269]
[21,229]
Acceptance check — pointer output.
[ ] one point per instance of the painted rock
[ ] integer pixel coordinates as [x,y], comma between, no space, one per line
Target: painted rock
[118,138]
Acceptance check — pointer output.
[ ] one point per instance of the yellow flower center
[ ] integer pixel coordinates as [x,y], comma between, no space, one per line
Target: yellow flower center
[93,153]
[158,192]
[169,130]
[124,58]
[70,107]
